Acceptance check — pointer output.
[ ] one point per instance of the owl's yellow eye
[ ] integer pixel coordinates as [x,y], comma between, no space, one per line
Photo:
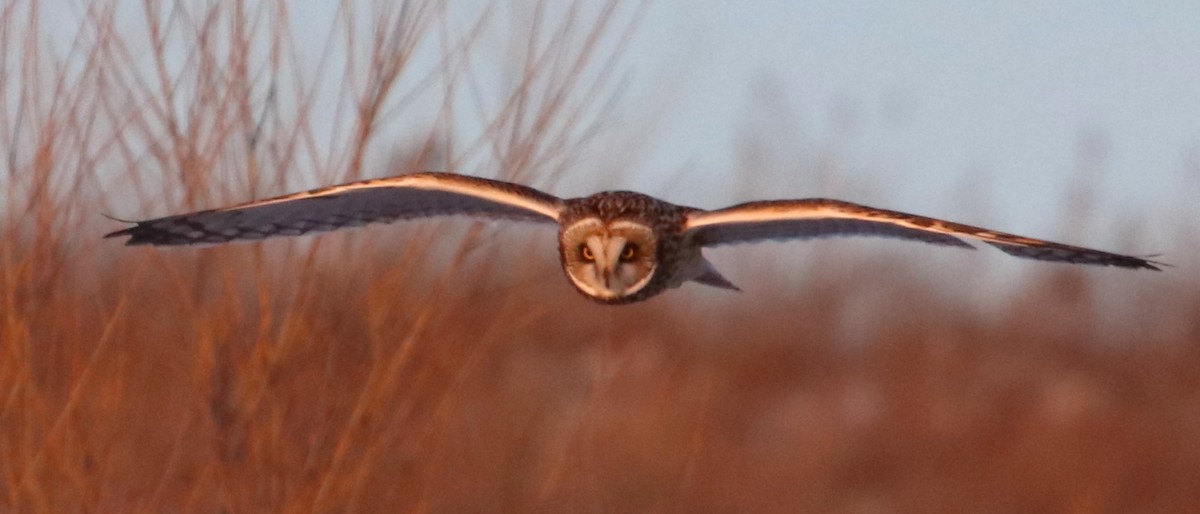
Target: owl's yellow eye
[629,252]
[586,253]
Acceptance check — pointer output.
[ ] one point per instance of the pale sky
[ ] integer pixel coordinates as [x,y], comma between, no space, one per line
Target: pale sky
[971,110]
[1009,90]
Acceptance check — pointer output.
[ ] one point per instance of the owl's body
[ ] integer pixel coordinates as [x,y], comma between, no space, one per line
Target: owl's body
[615,247]
[662,257]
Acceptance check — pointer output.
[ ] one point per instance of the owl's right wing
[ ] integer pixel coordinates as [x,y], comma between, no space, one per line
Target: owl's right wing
[385,200]
[811,218]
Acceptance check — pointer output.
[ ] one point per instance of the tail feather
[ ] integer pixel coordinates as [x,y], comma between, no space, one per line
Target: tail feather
[712,277]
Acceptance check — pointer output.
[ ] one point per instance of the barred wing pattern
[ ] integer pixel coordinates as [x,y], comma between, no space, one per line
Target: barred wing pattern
[818,217]
[418,195]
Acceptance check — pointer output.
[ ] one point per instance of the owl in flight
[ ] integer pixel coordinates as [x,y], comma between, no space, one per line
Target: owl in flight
[615,247]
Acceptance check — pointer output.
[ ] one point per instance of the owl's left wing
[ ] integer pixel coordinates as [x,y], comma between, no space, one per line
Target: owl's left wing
[812,218]
[385,200]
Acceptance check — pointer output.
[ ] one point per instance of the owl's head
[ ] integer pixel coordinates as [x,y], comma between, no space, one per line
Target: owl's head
[609,261]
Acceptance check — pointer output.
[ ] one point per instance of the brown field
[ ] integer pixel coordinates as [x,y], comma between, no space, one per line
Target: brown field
[449,367]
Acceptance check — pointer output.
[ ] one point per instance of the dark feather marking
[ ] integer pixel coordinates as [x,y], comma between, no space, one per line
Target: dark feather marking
[397,198]
[1065,253]
[885,223]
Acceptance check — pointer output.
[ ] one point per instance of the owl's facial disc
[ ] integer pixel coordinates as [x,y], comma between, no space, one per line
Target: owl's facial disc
[609,261]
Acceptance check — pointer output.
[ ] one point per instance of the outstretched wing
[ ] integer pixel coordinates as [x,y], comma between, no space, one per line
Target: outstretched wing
[350,205]
[812,218]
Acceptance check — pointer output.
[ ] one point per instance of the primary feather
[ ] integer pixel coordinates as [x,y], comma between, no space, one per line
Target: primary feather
[818,217]
[348,205]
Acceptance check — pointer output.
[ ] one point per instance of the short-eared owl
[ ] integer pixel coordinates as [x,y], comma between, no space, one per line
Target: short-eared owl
[615,247]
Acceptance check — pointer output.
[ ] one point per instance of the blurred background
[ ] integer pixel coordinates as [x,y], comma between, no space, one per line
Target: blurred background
[448,366]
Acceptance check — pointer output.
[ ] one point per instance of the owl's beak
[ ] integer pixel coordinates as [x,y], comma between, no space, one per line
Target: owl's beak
[612,252]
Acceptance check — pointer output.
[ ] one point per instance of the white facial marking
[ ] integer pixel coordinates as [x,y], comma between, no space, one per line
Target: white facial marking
[596,244]
[606,275]
[628,225]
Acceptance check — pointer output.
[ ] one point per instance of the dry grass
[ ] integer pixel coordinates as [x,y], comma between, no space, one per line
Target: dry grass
[265,378]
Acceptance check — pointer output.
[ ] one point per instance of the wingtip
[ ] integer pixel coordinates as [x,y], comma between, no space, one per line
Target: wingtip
[128,231]
[1147,262]
[1153,265]
[114,218]
[119,233]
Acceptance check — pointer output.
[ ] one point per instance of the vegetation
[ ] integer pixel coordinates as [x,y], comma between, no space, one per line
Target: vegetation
[449,367]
